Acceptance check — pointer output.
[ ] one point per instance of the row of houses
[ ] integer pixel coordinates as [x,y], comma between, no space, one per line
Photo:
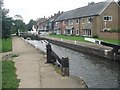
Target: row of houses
[91,20]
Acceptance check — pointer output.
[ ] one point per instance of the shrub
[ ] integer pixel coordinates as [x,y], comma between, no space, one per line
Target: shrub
[114,30]
[95,36]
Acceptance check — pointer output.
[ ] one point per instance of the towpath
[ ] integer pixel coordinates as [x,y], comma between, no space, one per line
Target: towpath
[34,73]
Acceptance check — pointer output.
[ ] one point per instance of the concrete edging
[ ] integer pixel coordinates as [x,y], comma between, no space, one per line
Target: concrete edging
[85,49]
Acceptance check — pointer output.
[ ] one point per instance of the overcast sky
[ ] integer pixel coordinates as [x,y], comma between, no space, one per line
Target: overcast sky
[33,9]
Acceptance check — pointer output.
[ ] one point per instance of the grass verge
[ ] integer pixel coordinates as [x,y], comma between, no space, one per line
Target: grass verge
[9,77]
[6,45]
[81,39]
[57,69]
[77,38]
[111,41]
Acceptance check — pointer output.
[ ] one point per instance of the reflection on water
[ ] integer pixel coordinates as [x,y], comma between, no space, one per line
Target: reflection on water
[97,72]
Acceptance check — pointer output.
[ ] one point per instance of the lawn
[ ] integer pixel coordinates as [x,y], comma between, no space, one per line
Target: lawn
[76,38]
[9,79]
[111,41]
[5,45]
[81,39]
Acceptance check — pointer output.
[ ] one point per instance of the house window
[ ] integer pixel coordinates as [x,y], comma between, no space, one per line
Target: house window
[69,31]
[63,22]
[56,23]
[70,22]
[89,19]
[87,32]
[77,21]
[107,18]
[77,32]
[83,21]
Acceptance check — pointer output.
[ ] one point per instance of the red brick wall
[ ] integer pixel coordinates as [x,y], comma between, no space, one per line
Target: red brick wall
[109,35]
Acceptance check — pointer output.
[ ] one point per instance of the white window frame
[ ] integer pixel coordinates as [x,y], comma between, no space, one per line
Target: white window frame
[77,21]
[63,22]
[56,23]
[77,32]
[87,32]
[107,17]
[89,20]
[70,22]
[82,20]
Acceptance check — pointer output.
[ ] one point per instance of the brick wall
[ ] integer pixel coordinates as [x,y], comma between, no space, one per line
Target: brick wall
[109,35]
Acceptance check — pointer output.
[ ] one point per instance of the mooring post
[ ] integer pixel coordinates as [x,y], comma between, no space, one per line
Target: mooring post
[65,66]
[48,47]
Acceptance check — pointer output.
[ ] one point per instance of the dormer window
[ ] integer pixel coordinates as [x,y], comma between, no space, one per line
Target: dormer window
[107,18]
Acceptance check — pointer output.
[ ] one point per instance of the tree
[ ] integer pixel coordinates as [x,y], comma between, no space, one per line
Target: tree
[119,2]
[18,24]
[30,24]
[6,27]
[1,3]
[6,22]
[18,17]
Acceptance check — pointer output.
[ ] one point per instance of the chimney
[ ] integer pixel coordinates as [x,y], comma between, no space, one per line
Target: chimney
[54,14]
[58,12]
[91,3]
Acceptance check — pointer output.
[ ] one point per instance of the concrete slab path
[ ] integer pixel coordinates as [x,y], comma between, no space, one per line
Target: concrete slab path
[34,73]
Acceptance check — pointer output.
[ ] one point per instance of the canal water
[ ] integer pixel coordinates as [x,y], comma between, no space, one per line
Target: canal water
[97,72]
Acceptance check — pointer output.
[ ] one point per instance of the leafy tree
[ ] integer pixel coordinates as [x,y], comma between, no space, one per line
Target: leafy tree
[6,27]
[18,24]
[119,2]
[30,24]
[18,17]
[6,21]
[1,3]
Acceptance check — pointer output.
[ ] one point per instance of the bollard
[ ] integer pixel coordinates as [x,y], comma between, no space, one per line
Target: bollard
[48,47]
[65,66]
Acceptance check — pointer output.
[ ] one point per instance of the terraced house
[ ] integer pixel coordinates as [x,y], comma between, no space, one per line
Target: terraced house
[47,24]
[92,20]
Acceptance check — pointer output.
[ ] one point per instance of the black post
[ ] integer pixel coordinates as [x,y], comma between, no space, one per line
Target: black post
[65,66]
[115,52]
[48,47]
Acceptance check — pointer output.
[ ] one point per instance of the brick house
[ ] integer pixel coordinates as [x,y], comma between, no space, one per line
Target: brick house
[41,24]
[47,24]
[91,20]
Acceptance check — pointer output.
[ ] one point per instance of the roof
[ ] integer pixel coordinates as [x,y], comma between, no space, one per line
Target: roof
[41,20]
[55,16]
[90,10]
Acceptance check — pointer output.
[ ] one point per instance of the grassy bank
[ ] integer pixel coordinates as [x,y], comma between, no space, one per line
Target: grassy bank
[81,39]
[9,79]
[110,41]
[77,38]
[5,45]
